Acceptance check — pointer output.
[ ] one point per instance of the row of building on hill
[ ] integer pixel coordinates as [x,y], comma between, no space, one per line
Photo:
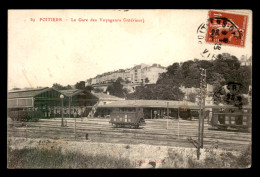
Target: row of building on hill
[138,74]
[144,73]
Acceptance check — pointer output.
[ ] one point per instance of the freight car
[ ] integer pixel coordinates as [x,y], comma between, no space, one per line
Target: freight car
[25,115]
[127,117]
[226,118]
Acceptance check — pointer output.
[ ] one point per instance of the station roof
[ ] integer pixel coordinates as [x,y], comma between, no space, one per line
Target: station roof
[26,93]
[162,104]
[150,104]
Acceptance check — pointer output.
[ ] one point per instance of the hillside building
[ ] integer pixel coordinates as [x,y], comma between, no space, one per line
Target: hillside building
[138,74]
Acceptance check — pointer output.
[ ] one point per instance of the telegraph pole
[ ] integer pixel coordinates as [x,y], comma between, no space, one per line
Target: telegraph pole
[69,105]
[178,121]
[199,142]
[167,113]
[204,93]
[61,97]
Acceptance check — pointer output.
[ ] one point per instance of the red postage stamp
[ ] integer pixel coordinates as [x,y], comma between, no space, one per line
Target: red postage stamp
[226,28]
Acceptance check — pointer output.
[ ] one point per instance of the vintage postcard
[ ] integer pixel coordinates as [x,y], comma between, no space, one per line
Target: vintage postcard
[129,89]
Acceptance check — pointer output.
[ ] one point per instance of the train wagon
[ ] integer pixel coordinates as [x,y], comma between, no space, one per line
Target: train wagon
[231,119]
[25,115]
[127,117]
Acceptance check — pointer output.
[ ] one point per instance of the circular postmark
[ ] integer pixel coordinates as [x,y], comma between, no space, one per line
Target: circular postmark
[207,51]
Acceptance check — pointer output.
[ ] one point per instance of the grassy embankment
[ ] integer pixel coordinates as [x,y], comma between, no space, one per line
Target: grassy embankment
[54,158]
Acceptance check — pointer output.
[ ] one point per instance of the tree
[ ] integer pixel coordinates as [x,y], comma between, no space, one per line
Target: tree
[58,86]
[125,91]
[98,90]
[68,87]
[157,92]
[226,68]
[61,87]
[244,76]
[89,88]
[219,94]
[127,81]
[172,69]
[169,92]
[119,79]
[80,85]
[116,89]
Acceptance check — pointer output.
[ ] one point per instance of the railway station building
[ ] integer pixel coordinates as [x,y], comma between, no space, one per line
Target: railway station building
[47,102]
[154,109]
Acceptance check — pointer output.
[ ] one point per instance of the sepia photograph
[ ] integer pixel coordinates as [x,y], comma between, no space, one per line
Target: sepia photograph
[129,89]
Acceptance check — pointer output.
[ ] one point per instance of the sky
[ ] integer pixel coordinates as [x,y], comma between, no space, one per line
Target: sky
[42,52]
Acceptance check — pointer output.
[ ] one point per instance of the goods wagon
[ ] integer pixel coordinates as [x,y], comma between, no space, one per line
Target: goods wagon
[231,118]
[127,117]
[25,115]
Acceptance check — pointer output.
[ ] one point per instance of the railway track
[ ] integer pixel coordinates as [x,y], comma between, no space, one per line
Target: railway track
[154,132]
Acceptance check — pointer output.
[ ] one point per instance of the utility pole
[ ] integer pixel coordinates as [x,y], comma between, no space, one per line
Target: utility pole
[69,105]
[203,92]
[75,130]
[178,121]
[198,142]
[167,113]
[62,97]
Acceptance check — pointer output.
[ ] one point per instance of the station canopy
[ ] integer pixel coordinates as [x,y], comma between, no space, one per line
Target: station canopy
[162,104]
[151,104]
